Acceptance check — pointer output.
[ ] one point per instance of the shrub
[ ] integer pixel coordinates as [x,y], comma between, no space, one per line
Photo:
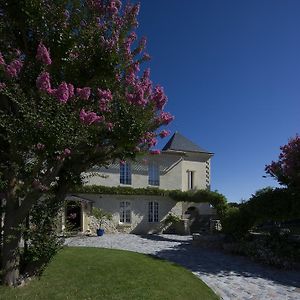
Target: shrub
[236,222]
[101,215]
[273,249]
[171,219]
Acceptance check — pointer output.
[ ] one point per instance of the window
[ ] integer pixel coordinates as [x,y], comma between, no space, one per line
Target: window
[153,173]
[190,175]
[125,212]
[125,173]
[153,212]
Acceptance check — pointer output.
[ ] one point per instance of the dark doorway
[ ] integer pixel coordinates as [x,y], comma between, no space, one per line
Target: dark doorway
[73,216]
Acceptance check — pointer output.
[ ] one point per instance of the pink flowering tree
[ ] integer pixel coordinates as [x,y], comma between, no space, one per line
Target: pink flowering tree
[286,170]
[72,95]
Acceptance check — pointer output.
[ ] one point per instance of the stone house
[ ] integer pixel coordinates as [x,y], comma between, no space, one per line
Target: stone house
[182,165]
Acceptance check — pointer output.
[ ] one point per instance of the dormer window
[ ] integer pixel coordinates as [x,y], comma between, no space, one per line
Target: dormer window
[153,174]
[190,179]
[125,173]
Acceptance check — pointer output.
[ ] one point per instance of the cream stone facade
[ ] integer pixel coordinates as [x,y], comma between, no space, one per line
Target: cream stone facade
[182,165]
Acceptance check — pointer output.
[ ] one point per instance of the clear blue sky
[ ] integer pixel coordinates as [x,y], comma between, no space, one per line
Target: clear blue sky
[231,70]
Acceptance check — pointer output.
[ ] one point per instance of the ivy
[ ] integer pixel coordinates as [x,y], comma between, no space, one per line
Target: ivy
[119,190]
[217,200]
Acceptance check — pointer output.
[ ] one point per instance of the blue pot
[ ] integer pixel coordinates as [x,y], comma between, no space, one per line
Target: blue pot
[100,232]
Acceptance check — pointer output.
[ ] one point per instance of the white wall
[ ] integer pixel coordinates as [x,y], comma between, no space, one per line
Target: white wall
[199,169]
[139,210]
[173,174]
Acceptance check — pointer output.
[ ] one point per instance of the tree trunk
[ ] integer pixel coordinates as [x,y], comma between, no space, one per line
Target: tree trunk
[10,256]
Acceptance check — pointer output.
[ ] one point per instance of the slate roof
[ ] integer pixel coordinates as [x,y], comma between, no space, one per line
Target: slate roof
[180,143]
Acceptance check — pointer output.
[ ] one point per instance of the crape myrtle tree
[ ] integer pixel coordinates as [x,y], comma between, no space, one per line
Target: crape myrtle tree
[71,96]
[286,170]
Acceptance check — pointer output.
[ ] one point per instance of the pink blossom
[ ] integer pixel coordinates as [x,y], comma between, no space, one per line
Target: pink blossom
[150,139]
[2,86]
[165,118]
[71,90]
[83,93]
[14,68]
[109,126]
[43,54]
[114,6]
[67,152]
[141,46]
[155,152]
[159,97]
[106,94]
[135,67]
[286,170]
[130,78]
[89,117]
[146,56]
[40,146]
[2,61]
[11,72]
[17,64]
[62,92]
[164,133]
[43,82]
[105,97]
[138,97]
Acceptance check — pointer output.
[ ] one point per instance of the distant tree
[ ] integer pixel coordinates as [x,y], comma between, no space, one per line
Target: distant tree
[70,97]
[286,170]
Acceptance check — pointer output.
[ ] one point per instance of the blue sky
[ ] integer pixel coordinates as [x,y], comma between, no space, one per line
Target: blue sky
[231,70]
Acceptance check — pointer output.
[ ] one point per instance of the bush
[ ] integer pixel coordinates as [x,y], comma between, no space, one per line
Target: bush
[101,215]
[236,222]
[273,249]
[171,219]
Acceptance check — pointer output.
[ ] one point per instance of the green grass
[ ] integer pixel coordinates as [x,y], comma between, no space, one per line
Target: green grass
[91,273]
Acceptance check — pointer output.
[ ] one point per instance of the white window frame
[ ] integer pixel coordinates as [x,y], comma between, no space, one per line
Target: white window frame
[153,207]
[153,174]
[125,212]
[191,179]
[125,173]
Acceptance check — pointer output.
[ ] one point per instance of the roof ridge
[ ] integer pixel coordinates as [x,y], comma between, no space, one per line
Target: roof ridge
[181,143]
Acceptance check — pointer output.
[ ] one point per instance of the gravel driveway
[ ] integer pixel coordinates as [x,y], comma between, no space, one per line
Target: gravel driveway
[231,277]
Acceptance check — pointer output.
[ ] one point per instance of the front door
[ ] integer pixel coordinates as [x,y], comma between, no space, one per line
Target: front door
[73,216]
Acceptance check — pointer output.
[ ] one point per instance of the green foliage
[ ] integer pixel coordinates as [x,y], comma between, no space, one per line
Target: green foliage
[271,204]
[172,219]
[236,222]
[118,190]
[101,215]
[275,249]
[41,239]
[266,205]
[217,200]
[51,128]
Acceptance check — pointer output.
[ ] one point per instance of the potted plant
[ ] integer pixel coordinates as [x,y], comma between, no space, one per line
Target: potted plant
[100,215]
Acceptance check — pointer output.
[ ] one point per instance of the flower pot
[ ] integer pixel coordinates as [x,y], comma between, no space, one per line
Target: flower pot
[100,232]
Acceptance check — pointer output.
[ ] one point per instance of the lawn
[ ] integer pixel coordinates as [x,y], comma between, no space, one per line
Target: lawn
[91,273]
